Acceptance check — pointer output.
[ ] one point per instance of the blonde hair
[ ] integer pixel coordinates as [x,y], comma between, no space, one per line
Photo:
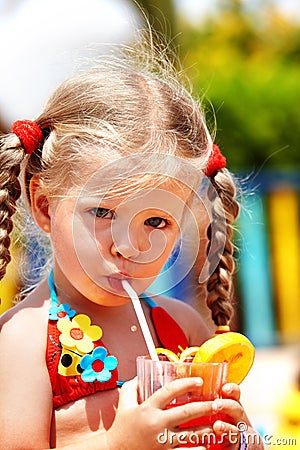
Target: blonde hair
[114,111]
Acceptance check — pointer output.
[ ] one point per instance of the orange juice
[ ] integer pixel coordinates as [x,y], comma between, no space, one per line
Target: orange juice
[212,441]
[153,375]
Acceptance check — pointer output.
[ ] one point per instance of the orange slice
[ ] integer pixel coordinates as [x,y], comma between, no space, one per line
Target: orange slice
[168,353]
[232,347]
[189,352]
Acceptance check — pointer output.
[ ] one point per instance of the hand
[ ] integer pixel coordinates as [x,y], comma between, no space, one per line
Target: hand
[238,422]
[149,425]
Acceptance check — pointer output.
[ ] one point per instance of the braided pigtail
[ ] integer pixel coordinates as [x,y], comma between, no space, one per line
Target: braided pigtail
[25,138]
[11,156]
[219,284]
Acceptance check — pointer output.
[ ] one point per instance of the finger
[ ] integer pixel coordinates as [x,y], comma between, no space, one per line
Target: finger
[229,432]
[128,394]
[231,408]
[188,414]
[164,396]
[231,390]
[186,438]
[199,439]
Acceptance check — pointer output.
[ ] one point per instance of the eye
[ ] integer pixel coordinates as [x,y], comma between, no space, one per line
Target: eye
[156,222]
[103,213]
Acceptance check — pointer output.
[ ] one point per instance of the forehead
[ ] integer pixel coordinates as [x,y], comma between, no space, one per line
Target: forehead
[131,175]
[166,196]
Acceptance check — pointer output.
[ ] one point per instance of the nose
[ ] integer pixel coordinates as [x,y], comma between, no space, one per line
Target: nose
[125,242]
[125,250]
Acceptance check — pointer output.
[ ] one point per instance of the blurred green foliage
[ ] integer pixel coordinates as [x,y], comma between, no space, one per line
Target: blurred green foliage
[246,64]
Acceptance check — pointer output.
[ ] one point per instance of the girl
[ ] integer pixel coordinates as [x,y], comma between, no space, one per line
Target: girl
[115,170]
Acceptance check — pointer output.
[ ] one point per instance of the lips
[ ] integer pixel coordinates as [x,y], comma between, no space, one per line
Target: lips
[120,276]
[115,281]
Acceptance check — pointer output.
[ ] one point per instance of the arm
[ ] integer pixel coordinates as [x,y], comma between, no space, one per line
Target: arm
[25,391]
[26,404]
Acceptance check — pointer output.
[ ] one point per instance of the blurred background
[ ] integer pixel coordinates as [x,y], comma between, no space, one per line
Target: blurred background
[243,58]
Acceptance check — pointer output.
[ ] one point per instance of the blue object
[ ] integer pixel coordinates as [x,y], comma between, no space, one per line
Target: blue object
[255,283]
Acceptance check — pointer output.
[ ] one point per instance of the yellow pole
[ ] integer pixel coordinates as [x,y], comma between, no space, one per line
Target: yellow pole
[9,285]
[285,245]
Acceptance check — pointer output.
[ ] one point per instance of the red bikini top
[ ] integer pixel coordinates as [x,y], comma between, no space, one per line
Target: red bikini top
[78,362]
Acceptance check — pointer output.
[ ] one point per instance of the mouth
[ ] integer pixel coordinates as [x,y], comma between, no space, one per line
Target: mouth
[115,281]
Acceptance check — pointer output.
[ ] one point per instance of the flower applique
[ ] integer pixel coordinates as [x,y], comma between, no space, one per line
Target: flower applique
[78,343]
[62,311]
[77,339]
[98,365]
[78,333]
[69,363]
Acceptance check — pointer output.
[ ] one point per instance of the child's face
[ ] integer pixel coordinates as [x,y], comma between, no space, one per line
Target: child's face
[99,241]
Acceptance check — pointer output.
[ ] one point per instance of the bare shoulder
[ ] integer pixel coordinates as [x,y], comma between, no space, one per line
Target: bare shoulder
[27,311]
[24,331]
[24,326]
[187,318]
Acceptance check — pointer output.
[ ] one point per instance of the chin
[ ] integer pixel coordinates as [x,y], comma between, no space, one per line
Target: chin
[108,298]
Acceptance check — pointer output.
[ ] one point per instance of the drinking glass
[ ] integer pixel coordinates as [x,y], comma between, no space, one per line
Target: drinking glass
[153,375]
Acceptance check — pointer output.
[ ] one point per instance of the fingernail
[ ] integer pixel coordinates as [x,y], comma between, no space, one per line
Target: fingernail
[222,426]
[198,381]
[227,388]
[217,405]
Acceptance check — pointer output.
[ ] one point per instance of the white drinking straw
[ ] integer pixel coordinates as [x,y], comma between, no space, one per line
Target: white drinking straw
[142,320]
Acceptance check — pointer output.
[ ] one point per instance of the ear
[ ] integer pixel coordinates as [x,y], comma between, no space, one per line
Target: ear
[40,204]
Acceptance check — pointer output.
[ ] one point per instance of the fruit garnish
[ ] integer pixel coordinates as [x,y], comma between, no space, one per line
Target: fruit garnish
[185,355]
[188,354]
[171,356]
[232,347]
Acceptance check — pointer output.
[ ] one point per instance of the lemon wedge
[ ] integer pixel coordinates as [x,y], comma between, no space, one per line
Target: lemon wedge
[232,347]
[168,353]
[189,352]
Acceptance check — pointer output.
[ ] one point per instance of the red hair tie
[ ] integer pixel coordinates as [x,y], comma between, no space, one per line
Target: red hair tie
[216,161]
[29,133]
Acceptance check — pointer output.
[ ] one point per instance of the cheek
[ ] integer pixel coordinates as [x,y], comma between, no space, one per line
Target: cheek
[73,242]
[90,246]
[62,241]
[161,245]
